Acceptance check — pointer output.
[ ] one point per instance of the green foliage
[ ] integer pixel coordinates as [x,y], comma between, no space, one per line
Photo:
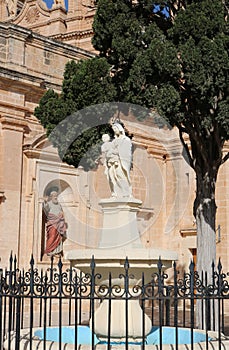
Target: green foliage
[116,27]
[200,19]
[87,82]
[119,29]
[75,130]
[176,64]
[200,36]
[49,111]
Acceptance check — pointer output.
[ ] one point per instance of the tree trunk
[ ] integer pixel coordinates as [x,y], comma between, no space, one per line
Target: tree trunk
[205,213]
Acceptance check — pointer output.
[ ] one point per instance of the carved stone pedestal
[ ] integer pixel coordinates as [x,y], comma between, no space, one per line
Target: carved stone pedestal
[120,223]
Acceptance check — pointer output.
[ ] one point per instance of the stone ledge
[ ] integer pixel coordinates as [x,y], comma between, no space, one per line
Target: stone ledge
[120,254]
[39,344]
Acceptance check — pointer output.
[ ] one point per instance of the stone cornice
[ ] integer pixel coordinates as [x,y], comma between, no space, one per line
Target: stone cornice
[49,159]
[160,143]
[13,29]
[33,27]
[38,154]
[19,76]
[38,84]
[12,123]
[10,106]
[58,47]
[74,35]
[169,149]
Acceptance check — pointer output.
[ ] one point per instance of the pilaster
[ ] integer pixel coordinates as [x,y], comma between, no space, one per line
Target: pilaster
[12,130]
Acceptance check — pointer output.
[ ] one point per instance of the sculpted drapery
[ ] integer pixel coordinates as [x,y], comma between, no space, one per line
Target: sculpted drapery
[55,226]
[117,161]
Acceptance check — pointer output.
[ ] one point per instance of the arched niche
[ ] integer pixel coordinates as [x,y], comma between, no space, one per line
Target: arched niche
[65,197]
[63,189]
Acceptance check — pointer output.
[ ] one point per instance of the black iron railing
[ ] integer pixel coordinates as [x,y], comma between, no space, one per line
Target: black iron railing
[37,299]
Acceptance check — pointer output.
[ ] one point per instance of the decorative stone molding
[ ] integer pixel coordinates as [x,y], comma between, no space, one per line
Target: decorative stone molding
[88,3]
[11,8]
[37,154]
[42,5]
[74,35]
[32,15]
[57,21]
[15,124]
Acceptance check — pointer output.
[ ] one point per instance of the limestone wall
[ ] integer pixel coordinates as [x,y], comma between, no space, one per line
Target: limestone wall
[161,177]
[30,63]
[72,26]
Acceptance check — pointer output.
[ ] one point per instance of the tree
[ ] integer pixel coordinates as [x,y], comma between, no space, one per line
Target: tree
[177,63]
[172,57]
[75,130]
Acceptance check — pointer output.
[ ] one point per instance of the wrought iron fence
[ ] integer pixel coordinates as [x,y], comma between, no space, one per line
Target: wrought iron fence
[58,298]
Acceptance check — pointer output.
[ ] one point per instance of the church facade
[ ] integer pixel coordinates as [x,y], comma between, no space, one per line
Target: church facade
[35,44]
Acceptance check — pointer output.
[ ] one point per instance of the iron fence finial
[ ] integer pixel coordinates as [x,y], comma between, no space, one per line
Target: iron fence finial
[126,264]
[92,265]
[219,266]
[159,264]
[32,260]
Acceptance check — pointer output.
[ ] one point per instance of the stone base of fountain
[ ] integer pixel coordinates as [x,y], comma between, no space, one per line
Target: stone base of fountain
[118,322]
[111,262]
[120,240]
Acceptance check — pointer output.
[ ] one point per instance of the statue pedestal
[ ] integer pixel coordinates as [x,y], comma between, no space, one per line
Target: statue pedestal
[120,223]
[120,239]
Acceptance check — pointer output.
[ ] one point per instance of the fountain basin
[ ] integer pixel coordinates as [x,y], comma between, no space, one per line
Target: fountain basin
[111,262]
[85,337]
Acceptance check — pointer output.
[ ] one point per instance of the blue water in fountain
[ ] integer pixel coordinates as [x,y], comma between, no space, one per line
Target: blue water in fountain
[169,336]
[84,335]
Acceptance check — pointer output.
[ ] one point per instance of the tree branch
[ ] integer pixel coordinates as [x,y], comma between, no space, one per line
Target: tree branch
[181,130]
[196,137]
[218,141]
[175,6]
[226,10]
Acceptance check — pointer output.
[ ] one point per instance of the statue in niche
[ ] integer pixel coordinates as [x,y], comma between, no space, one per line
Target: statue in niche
[117,158]
[56,226]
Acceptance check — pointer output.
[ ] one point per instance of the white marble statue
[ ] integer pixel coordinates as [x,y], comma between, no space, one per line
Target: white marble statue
[117,155]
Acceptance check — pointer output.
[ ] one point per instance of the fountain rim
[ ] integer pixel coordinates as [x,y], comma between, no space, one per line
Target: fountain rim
[38,343]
